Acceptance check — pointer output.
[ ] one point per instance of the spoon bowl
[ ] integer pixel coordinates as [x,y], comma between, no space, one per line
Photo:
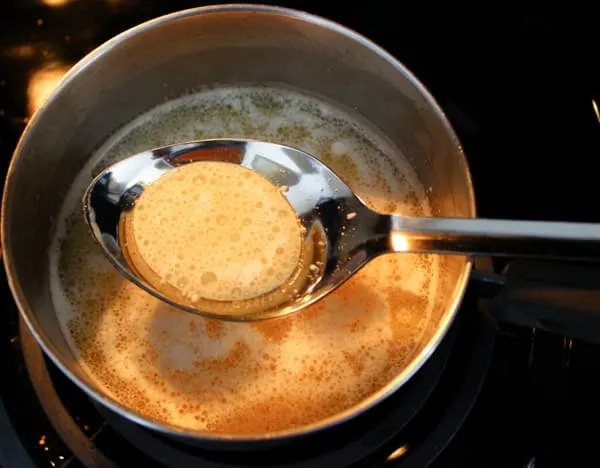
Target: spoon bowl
[341,234]
[335,242]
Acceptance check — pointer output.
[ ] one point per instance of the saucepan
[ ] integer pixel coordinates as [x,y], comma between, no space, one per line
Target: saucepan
[194,49]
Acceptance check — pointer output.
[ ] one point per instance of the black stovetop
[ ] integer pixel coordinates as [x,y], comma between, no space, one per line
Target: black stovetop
[520,87]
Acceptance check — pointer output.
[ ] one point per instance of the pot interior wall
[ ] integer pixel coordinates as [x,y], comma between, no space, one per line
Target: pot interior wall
[175,56]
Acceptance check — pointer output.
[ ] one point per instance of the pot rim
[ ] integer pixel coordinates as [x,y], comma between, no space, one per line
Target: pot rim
[171,430]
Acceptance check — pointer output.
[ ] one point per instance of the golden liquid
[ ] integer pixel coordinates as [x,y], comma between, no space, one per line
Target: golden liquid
[248,378]
[217,231]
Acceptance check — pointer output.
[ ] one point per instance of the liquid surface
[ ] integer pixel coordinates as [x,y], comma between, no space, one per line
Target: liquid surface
[215,230]
[242,378]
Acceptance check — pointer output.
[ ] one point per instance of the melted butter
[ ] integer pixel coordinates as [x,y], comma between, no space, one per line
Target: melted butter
[241,378]
[215,230]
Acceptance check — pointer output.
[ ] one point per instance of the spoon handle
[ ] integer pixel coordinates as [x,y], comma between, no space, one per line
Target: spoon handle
[495,237]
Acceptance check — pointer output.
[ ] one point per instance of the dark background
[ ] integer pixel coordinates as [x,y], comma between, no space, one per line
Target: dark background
[516,79]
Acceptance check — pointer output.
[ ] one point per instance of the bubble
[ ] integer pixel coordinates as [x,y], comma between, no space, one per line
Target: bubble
[208,277]
[182,281]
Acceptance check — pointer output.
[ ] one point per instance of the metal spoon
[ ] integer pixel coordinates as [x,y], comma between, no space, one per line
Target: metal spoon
[342,234]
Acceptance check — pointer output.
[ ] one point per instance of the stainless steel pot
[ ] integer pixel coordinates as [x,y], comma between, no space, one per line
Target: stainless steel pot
[167,57]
